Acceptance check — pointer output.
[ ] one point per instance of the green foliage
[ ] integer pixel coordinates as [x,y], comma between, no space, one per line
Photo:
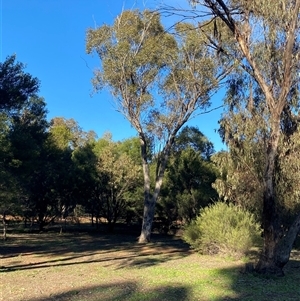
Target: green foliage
[19,108]
[66,133]
[122,177]
[16,86]
[193,138]
[189,177]
[223,229]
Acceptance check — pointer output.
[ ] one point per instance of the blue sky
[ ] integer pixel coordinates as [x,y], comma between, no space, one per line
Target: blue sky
[49,37]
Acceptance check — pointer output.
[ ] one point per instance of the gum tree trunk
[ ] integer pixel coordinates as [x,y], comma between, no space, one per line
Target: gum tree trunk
[277,244]
[271,222]
[149,203]
[150,200]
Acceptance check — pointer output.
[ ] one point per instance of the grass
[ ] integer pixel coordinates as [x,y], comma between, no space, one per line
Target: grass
[92,267]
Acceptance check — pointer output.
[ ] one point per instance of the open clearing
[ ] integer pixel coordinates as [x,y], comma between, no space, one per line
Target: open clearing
[92,267]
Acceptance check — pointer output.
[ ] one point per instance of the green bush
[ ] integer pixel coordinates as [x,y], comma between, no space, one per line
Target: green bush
[223,229]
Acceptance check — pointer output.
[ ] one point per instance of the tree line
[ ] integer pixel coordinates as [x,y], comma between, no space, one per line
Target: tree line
[50,168]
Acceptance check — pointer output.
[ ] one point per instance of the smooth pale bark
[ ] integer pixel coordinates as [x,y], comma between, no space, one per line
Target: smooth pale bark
[150,201]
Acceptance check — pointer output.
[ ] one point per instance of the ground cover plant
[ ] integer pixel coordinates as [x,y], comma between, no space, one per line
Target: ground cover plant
[95,266]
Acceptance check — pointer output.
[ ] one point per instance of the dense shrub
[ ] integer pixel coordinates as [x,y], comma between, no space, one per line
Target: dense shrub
[223,229]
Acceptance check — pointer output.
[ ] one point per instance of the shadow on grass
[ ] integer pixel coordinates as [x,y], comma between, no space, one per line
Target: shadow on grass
[220,284]
[35,251]
[53,243]
[125,261]
[251,286]
[121,251]
[121,291]
[227,284]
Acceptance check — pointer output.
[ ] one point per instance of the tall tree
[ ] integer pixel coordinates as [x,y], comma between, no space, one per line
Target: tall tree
[75,161]
[28,138]
[16,88]
[158,81]
[90,180]
[266,35]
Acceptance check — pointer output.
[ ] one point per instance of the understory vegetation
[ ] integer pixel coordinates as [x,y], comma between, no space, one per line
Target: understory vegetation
[223,229]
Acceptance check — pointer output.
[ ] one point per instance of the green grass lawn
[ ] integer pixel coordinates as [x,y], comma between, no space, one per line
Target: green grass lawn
[84,267]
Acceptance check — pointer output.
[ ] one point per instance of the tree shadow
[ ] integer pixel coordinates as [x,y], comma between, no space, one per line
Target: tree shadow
[125,261]
[121,291]
[225,284]
[54,250]
[249,286]
[239,286]
[121,251]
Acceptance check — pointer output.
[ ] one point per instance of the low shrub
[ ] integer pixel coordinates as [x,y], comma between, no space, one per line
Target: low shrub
[223,229]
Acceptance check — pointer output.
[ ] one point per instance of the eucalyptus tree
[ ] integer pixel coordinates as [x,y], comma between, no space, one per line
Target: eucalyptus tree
[134,207]
[243,128]
[67,133]
[9,189]
[266,49]
[158,81]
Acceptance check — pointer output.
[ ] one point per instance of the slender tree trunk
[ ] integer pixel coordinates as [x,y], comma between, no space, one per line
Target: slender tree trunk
[4,226]
[97,220]
[149,211]
[41,222]
[150,201]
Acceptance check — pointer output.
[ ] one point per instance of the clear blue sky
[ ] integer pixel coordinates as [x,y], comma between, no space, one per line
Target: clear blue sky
[49,37]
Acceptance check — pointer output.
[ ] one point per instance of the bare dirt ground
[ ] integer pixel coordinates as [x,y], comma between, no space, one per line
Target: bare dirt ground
[34,265]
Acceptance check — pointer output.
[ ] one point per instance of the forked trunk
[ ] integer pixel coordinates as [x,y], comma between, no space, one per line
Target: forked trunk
[150,200]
